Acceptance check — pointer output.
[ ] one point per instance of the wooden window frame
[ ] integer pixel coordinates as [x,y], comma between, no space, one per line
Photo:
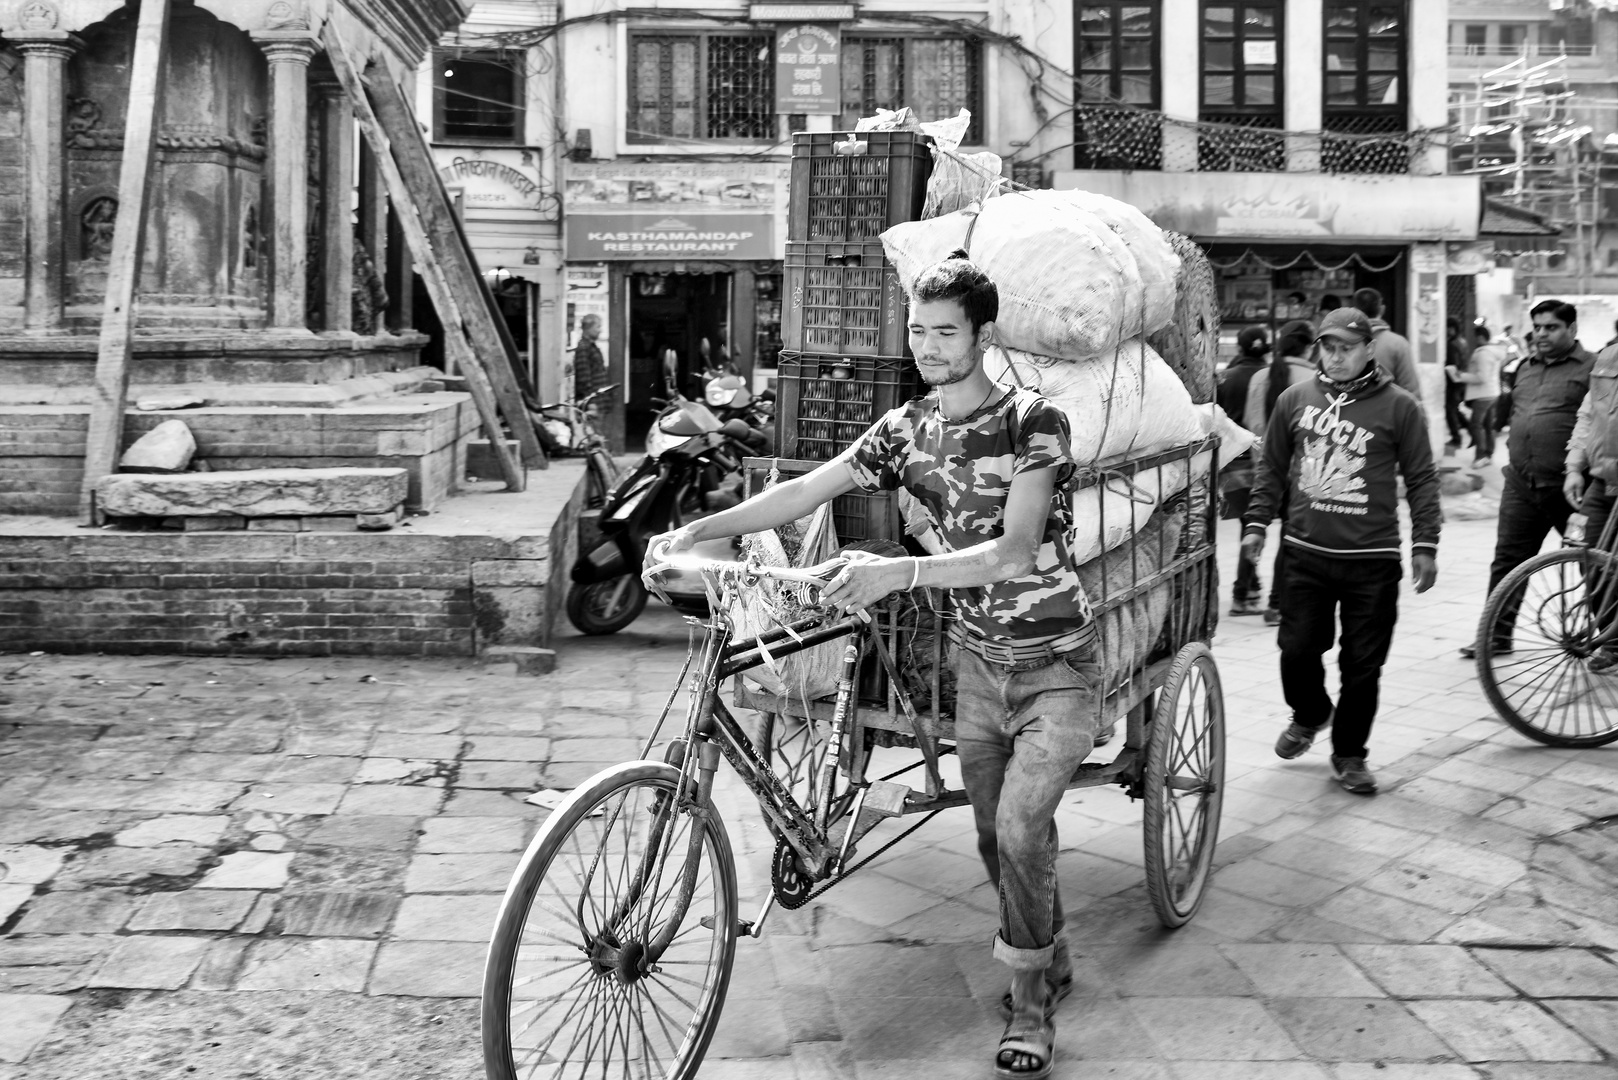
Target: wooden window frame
[1274,110]
[851,39]
[1115,71]
[441,92]
[703,119]
[1362,73]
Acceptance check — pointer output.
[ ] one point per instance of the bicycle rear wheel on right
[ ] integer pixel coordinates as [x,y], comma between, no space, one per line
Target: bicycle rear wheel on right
[1541,628]
[612,951]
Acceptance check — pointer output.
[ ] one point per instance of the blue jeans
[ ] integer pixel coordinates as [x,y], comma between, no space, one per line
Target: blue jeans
[1021,730]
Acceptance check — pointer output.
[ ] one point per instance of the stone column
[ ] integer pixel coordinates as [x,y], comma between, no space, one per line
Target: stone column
[373,226]
[46,53]
[289,53]
[337,182]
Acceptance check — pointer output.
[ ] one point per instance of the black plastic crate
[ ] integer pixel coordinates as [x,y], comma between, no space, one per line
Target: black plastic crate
[857,515]
[844,190]
[842,298]
[823,403]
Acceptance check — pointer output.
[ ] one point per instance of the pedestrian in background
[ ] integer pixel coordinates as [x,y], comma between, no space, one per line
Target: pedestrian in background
[1482,381]
[1390,350]
[1456,357]
[1293,363]
[1543,406]
[1591,467]
[1336,447]
[1236,479]
[589,366]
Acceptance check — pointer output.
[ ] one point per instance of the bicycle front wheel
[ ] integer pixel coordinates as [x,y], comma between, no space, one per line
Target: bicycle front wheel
[1540,629]
[612,951]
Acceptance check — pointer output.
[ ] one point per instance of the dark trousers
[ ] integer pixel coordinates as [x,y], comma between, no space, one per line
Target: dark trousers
[1482,426]
[1320,592]
[1247,585]
[1455,417]
[1597,508]
[1527,515]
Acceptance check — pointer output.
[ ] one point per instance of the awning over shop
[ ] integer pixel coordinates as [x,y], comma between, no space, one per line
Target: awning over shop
[1515,229]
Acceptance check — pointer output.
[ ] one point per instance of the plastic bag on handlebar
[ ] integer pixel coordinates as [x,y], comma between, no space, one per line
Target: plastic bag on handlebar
[801,676]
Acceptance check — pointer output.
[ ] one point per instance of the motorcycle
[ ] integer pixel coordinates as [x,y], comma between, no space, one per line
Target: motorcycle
[687,446]
[568,430]
[730,399]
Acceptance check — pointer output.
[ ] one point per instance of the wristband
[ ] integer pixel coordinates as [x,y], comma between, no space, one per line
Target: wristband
[915,574]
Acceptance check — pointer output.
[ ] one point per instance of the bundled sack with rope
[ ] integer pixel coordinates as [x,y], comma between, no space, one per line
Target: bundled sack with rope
[1069,284]
[762,606]
[1126,402]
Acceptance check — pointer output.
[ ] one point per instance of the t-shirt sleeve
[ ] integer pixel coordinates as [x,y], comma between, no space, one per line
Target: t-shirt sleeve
[1043,442]
[876,460]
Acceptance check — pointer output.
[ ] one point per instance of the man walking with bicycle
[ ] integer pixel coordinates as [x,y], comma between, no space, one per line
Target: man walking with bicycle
[1592,455]
[991,467]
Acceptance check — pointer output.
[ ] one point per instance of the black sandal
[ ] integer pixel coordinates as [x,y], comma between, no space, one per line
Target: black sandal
[1026,1037]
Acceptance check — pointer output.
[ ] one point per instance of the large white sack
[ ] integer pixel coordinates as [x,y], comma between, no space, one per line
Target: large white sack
[1158,265]
[1234,440]
[1125,402]
[1068,285]
[1109,513]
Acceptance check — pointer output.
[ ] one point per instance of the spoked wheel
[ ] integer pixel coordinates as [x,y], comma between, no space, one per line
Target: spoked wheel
[1185,778]
[797,750]
[1542,628]
[606,607]
[612,951]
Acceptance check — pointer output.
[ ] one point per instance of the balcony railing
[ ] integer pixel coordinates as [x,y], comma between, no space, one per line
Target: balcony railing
[1529,50]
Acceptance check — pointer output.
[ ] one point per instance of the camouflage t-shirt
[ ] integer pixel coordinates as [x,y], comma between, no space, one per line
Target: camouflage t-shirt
[961,472]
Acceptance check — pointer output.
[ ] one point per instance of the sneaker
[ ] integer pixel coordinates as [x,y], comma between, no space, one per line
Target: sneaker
[1470,652]
[1295,740]
[1353,775]
[1104,736]
[1246,607]
[1272,616]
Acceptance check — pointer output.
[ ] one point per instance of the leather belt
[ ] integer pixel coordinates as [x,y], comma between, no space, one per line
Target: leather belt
[1000,653]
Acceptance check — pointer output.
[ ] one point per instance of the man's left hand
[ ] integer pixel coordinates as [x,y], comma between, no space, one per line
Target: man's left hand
[866,579]
[1423,570]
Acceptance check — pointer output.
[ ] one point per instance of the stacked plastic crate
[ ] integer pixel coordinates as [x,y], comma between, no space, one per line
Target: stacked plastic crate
[845,359]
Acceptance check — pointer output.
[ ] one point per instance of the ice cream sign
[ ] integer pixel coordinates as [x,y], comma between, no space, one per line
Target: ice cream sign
[808,74]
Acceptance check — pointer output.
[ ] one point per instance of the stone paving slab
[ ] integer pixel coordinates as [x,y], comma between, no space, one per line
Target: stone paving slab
[205,855]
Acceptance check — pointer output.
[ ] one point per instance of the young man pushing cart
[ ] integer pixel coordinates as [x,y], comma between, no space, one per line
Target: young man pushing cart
[987,463]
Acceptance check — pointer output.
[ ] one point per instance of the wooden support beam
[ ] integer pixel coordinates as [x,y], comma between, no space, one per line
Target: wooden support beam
[456,346]
[472,298]
[105,436]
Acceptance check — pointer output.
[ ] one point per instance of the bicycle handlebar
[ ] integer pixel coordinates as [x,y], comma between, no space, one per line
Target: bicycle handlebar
[662,562]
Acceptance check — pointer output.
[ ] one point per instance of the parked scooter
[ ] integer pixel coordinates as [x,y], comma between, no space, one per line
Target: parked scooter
[687,446]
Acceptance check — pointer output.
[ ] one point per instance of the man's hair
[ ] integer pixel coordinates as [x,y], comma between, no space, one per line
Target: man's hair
[1559,310]
[590,320]
[1330,302]
[1369,301]
[958,278]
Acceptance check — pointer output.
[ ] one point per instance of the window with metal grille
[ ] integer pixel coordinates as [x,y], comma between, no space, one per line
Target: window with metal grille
[478,96]
[701,86]
[1241,86]
[1364,85]
[1116,46]
[936,76]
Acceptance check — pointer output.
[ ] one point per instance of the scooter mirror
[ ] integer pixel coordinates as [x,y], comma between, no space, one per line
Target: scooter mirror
[737,429]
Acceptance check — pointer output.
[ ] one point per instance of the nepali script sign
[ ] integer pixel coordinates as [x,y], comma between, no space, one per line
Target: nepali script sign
[807,73]
[676,211]
[493,178]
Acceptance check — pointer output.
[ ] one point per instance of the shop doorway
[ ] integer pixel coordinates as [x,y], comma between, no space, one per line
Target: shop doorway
[686,312]
[1271,285]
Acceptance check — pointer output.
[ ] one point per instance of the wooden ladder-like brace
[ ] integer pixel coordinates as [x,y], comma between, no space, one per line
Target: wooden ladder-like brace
[472,342]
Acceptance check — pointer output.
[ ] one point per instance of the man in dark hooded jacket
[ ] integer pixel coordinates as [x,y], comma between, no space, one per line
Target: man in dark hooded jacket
[1336,446]
[1236,479]
[1390,349]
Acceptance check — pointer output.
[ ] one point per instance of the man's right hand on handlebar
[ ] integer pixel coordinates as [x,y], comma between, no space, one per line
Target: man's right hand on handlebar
[661,546]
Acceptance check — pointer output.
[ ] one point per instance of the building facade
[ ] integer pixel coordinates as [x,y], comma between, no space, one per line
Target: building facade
[489,99]
[1534,102]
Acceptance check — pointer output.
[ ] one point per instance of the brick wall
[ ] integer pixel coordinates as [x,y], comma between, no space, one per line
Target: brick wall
[392,593]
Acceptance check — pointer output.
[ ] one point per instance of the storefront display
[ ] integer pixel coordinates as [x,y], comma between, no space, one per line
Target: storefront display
[1273,285]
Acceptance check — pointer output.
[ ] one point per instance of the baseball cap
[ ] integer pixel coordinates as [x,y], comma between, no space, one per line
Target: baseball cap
[1345,324]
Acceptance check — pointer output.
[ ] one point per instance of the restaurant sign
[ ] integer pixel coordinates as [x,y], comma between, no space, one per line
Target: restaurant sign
[686,210]
[808,75]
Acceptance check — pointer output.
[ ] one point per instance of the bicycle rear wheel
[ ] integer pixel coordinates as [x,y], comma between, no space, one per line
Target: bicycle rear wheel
[575,984]
[1540,628]
[1185,780]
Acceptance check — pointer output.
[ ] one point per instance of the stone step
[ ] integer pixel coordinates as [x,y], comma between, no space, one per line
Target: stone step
[253,493]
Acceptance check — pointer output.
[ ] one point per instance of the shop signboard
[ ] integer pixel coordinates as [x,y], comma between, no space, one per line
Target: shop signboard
[808,76]
[1294,206]
[679,211]
[494,178]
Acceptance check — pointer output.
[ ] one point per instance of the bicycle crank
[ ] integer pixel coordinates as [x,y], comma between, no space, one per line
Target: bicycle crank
[788,878]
